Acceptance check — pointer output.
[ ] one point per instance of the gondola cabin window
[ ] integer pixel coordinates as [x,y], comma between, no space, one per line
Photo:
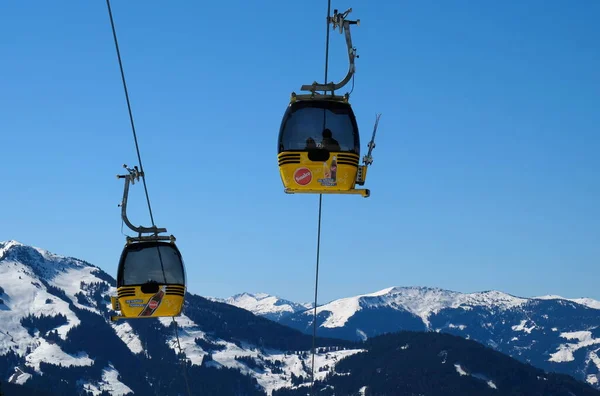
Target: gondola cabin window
[319,125]
[143,265]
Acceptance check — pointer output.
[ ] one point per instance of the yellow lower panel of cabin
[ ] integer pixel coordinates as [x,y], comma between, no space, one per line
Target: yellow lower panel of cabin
[299,173]
[168,301]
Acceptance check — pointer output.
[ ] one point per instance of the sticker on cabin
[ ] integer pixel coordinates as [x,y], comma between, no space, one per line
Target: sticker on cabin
[135,303]
[303,176]
[153,303]
[329,174]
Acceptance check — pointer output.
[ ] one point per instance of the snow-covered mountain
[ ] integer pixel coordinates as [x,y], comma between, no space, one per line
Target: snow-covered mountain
[421,302]
[430,363]
[588,302]
[26,295]
[263,304]
[55,334]
[56,337]
[549,332]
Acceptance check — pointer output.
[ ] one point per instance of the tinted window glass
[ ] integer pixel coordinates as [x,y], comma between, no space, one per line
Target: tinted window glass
[143,265]
[304,125]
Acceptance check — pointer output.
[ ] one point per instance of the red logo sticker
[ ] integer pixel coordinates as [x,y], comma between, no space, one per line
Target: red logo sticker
[153,304]
[303,176]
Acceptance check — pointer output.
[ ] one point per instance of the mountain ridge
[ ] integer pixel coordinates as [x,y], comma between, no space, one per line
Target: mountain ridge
[493,294]
[263,304]
[551,332]
[54,320]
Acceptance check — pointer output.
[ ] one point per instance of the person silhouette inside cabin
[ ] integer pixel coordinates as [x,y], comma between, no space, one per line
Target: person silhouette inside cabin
[310,144]
[329,142]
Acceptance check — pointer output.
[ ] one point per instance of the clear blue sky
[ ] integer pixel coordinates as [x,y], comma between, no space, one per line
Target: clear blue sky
[486,171]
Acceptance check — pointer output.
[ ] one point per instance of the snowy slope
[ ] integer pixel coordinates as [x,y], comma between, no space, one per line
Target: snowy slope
[25,294]
[71,292]
[269,306]
[25,273]
[536,330]
[588,302]
[420,301]
[35,282]
[274,367]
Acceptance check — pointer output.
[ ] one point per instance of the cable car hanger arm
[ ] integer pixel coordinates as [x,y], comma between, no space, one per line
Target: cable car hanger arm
[338,20]
[134,174]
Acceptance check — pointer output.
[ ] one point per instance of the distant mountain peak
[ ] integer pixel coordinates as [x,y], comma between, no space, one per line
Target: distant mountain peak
[5,246]
[418,300]
[588,302]
[264,304]
[41,262]
[9,242]
[257,296]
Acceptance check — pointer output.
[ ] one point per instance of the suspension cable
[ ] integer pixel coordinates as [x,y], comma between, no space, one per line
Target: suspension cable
[319,221]
[137,148]
[316,291]
[184,360]
[184,363]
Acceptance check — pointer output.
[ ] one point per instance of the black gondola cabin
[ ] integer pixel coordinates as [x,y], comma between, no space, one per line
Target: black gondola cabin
[151,280]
